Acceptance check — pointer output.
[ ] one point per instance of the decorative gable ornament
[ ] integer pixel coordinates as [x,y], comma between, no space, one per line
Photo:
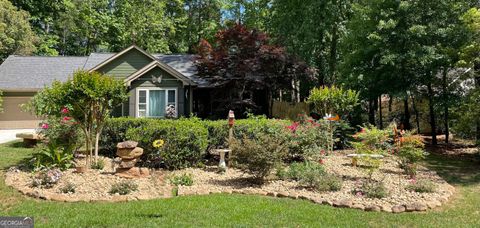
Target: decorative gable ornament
[157,79]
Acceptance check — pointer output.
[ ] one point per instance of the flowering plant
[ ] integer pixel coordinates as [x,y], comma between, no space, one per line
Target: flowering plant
[309,139]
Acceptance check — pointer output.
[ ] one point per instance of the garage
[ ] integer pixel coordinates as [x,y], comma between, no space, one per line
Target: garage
[13,117]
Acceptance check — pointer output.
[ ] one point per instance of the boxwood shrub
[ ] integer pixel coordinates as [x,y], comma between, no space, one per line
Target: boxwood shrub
[185,140]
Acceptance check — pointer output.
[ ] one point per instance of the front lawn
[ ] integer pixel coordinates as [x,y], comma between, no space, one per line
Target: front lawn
[242,210]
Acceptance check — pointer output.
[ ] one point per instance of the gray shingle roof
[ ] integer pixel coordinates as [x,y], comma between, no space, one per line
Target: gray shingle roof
[34,72]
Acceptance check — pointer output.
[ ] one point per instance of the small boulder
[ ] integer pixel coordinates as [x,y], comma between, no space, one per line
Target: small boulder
[127,144]
[373,208]
[346,203]
[398,209]
[129,153]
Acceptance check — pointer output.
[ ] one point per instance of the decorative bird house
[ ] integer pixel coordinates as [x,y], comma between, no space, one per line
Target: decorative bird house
[231,118]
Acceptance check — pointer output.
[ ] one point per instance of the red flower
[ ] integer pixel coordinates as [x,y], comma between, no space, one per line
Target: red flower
[65,110]
[44,125]
[321,161]
[294,126]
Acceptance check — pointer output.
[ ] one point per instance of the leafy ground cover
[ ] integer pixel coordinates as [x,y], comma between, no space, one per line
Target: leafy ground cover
[242,210]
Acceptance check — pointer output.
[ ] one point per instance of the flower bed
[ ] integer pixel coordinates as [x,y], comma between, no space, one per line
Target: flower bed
[95,185]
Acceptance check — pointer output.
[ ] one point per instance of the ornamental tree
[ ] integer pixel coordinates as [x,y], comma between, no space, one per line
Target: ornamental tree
[242,61]
[88,98]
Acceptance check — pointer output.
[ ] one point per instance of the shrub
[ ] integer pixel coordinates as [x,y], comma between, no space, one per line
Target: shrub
[47,178]
[218,130]
[333,100]
[51,156]
[63,132]
[422,186]
[115,131]
[123,187]
[328,182]
[184,179]
[185,142]
[372,141]
[308,139]
[312,175]
[410,152]
[100,164]
[258,155]
[371,189]
[68,188]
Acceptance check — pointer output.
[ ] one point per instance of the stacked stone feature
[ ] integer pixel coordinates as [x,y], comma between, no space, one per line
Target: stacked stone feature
[129,154]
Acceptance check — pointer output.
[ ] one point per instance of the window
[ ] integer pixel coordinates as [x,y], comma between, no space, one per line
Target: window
[152,102]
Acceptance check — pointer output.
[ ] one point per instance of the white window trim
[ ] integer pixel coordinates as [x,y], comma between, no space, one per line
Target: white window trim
[147,89]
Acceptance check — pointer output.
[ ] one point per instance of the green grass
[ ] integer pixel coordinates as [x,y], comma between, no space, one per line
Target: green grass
[241,210]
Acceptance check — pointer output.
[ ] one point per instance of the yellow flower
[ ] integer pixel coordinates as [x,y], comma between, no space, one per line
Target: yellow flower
[158,143]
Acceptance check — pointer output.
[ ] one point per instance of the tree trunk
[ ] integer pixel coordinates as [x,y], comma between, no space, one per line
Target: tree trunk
[380,115]
[390,101]
[406,121]
[97,138]
[371,112]
[445,104]
[417,118]
[477,86]
[432,114]
[333,53]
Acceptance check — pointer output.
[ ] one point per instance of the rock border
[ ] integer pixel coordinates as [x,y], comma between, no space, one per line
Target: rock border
[344,203]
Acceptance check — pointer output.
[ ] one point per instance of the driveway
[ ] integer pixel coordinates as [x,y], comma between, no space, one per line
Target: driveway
[9,135]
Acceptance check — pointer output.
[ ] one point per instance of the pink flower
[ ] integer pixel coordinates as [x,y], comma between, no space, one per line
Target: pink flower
[359,194]
[44,126]
[321,161]
[67,118]
[294,126]
[65,110]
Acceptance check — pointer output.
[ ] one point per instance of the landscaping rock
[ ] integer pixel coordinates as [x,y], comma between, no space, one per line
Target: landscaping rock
[127,144]
[398,209]
[134,172]
[344,203]
[358,206]
[282,194]
[129,153]
[373,208]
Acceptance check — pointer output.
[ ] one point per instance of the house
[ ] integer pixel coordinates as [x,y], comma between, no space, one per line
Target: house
[154,81]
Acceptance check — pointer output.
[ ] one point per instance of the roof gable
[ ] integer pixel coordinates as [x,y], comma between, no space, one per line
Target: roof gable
[162,66]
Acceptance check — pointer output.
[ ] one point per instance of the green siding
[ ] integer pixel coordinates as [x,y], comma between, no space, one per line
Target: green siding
[126,64]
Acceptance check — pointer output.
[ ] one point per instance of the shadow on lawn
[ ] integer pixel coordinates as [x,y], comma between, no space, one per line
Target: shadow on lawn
[457,170]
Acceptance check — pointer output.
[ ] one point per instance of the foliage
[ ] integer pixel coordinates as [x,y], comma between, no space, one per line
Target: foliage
[1,101]
[422,186]
[184,180]
[100,164]
[243,61]
[313,30]
[123,187]
[52,156]
[62,131]
[466,115]
[311,175]
[88,97]
[259,155]
[47,178]
[410,152]
[253,125]
[69,187]
[185,142]
[373,141]
[333,100]
[115,131]
[371,189]
[309,139]
[16,36]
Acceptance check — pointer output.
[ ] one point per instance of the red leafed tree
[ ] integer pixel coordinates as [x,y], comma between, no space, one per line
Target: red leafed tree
[242,63]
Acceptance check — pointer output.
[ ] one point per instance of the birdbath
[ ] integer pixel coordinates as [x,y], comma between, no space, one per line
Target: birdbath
[222,164]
